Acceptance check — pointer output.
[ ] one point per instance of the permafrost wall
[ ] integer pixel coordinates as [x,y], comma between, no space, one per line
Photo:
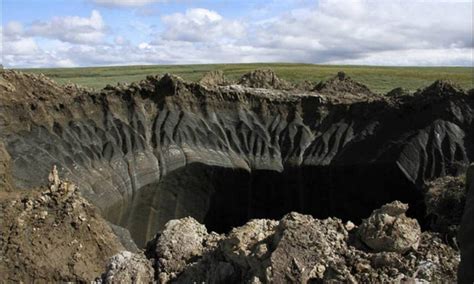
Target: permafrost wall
[164,148]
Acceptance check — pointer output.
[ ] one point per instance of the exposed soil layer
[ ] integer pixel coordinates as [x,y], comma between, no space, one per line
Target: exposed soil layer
[53,234]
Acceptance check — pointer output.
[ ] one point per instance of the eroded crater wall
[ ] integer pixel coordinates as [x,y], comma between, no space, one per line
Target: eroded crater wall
[115,142]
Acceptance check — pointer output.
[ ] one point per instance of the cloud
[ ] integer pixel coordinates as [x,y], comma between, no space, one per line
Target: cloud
[71,28]
[330,31]
[200,25]
[125,3]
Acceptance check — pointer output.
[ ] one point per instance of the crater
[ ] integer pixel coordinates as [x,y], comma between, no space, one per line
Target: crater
[224,198]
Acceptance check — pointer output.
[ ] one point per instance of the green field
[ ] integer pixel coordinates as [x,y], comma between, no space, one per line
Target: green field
[379,79]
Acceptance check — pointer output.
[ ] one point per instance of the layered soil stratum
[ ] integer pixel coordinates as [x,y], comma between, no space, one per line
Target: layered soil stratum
[160,163]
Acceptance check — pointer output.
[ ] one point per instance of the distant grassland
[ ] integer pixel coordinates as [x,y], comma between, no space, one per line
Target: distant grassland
[378,79]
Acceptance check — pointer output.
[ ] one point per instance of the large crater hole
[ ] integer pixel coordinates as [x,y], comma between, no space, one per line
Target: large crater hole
[222,198]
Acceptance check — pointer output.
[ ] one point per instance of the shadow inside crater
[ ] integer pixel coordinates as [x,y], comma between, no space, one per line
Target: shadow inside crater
[223,198]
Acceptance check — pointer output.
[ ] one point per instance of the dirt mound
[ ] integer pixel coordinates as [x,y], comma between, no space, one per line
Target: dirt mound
[53,235]
[261,78]
[299,248]
[441,88]
[341,84]
[27,86]
[213,78]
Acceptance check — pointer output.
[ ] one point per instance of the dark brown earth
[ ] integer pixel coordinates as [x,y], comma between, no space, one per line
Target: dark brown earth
[148,154]
[53,234]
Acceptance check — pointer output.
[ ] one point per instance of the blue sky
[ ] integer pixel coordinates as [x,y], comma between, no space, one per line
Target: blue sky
[67,33]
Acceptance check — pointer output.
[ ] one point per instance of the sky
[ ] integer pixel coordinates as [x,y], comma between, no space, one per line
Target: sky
[73,33]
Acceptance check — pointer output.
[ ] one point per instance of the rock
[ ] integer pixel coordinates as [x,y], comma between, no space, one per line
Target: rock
[389,229]
[128,267]
[180,242]
[248,245]
[307,249]
[349,226]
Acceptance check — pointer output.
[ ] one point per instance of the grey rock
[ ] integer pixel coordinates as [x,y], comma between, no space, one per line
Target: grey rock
[297,249]
[181,242]
[389,229]
[128,267]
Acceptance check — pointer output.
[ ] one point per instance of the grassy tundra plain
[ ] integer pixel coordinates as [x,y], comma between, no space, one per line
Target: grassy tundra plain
[379,79]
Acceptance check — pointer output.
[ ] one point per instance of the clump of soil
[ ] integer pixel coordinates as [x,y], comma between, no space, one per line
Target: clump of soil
[445,199]
[213,78]
[389,229]
[53,235]
[342,84]
[264,79]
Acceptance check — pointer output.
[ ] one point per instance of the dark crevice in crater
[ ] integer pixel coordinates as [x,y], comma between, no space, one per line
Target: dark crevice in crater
[223,198]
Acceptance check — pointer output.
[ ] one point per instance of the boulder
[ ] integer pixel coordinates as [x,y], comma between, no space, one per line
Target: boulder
[128,267]
[389,229]
[180,242]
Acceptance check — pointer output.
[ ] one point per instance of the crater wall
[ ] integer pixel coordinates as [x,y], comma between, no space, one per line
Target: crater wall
[121,142]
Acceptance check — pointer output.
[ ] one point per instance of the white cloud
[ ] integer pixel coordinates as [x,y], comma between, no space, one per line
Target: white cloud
[71,28]
[414,57]
[333,31]
[13,29]
[125,3]
[199,25]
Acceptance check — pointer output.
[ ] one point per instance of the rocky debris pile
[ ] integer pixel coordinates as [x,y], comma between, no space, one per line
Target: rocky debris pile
[444,199]
[387,247]
[389,229]
[128,267]
[213,78]
[342,84]
[53,235]
[266,79]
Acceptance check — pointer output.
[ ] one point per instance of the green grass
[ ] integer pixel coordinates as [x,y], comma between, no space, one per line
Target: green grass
[379,79]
